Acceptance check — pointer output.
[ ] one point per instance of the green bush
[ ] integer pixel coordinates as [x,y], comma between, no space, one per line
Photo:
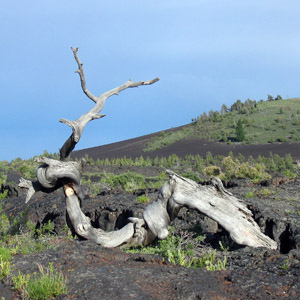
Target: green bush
[264,192]
[5,253]
[212,171]
[230,167]
[3,178]
[256,172]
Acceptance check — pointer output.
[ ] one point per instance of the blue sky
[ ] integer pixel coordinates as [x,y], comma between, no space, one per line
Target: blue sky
[206,53]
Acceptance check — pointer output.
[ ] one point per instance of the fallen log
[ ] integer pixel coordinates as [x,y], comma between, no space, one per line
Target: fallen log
[213,201]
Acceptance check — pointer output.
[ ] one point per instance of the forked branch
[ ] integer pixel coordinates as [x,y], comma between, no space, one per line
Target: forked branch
[78,125]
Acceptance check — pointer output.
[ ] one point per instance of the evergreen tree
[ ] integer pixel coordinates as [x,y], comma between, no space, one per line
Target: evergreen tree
[240,134]
[223,109]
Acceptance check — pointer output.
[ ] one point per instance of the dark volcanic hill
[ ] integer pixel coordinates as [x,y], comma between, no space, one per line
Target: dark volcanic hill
[134,148]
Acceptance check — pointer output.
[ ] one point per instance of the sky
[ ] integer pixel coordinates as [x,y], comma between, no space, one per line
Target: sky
[205,52]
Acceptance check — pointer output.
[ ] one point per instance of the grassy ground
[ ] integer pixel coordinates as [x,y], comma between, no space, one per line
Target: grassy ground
[269,122]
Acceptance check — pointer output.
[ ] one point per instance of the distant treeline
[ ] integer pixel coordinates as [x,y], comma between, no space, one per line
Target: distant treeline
[248,107]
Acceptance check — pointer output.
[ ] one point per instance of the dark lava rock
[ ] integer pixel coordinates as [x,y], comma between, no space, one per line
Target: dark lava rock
[95,272]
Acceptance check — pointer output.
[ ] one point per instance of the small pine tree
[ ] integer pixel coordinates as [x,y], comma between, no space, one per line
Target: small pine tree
[240,134]
[223,109]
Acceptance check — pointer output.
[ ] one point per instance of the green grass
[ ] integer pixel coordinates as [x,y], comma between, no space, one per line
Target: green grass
[181,250]
[143,199]
[168,138]
[5,257]
[48,284]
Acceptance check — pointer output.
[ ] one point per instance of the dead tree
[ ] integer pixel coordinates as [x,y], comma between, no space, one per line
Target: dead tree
[214,201]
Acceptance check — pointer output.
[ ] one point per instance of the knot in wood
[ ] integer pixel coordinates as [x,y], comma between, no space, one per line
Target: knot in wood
[52,170]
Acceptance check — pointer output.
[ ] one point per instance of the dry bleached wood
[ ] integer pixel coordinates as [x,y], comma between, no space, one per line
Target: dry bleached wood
[78,125]
[214,201]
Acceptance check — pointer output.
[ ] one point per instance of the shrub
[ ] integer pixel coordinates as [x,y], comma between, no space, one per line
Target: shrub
[256,172]
[212,171]
[173,160]
[289,174]
[210,262]
[230,167]
[27,170]
[3,178]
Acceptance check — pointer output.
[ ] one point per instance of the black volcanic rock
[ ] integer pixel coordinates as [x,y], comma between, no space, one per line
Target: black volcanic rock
[94,272]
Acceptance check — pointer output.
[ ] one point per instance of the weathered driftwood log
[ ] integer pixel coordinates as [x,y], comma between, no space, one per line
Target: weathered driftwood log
[213,201]
[83,227]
